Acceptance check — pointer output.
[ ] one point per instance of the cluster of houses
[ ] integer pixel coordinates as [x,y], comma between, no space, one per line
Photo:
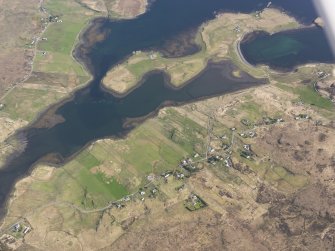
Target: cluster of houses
[237,29]
[180,188]
[188,165]
[150,191]
[249,134]
[228,162]
[214,159]
[152,55]
[21,228]
[7,240]
[54,19]
[302,117]
[246,122]
[15,232]
[325,88]
[34,41]
[247,152]
[270,121]
[194,202]
[179,175]
[258,14]
[322,75]
[137,52]
[50,19]
[264,121]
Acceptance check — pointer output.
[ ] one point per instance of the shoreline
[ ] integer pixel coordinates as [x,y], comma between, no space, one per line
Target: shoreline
[128,126]
[55,106]
[272,68]
[78,41]
[70,97]
[239,52]
[202,49]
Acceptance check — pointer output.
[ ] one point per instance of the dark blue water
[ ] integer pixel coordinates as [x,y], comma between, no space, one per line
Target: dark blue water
[288,49]
[94,113]
[169,18]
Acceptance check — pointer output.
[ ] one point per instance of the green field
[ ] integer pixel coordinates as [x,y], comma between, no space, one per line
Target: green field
[55,62]
[56,73]
[61,38]
[308,95]
[109,169]
[24,103]
[275,175]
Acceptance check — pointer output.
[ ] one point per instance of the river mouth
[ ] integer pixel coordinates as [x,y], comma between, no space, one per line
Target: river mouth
[285,51]
[92,113]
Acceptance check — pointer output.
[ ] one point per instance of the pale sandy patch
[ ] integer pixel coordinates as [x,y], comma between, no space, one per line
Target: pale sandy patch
[129,8]
[96,5]
[118,79]
[110,169]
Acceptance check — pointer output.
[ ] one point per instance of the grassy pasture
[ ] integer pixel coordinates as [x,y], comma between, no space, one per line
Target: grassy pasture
[109,169]
[308,95]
